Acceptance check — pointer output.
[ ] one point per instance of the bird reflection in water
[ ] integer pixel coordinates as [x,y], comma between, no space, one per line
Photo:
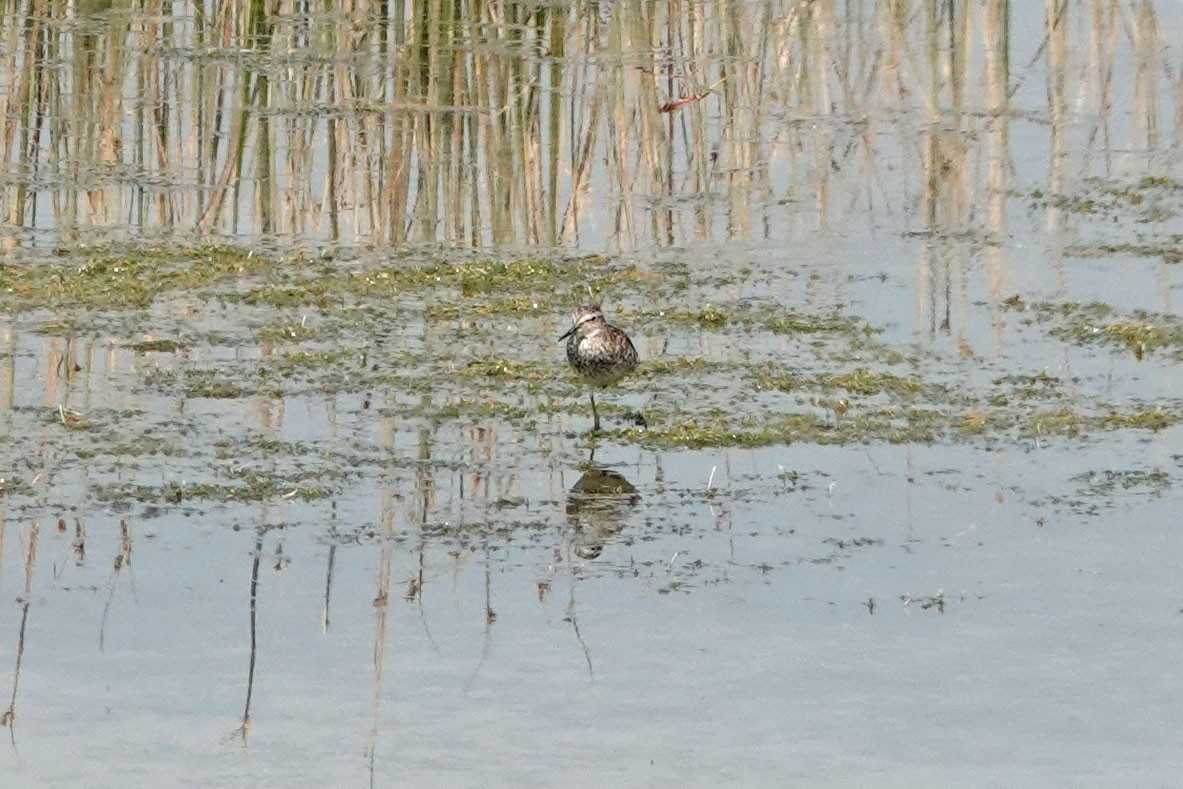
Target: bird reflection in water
[596,507]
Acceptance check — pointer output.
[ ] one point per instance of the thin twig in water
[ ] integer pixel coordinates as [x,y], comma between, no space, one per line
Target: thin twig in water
[682,101]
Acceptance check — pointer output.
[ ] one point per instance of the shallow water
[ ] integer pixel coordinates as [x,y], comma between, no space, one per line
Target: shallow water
[904,511]
[721,636]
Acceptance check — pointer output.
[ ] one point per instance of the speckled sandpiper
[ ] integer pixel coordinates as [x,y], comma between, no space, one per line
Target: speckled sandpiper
[599,352]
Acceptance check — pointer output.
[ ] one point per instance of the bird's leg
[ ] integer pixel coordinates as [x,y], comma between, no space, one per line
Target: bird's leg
[595,414]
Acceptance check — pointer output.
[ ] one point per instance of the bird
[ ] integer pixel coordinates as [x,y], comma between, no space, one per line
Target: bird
[598,352]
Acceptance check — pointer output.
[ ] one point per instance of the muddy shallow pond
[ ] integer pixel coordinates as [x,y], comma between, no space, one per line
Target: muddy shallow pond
[298,490]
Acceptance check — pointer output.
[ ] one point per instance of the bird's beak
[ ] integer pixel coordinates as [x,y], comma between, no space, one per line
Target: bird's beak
[567,334]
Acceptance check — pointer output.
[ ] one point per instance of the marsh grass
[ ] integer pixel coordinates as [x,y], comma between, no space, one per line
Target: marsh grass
[1140,332]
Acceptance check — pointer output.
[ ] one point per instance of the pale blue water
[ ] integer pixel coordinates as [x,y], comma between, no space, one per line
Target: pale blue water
[1048,665]
[1003,612]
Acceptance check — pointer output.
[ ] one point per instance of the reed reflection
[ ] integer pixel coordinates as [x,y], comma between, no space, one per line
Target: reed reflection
[253,631]
[503,123]
[121,562]
[30,536]
[597,506]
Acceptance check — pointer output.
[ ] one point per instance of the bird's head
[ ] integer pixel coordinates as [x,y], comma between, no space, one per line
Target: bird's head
[584,316]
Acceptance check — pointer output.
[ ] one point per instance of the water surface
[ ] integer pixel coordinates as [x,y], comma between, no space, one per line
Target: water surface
[297,489]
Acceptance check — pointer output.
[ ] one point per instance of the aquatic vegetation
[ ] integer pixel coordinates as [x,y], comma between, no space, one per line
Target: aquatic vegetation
[1109,481]
[1101,489]
[108,280]
[782,322]
[1039,386]
[1169,251]
[10,485]
[156,346]
[666,367]
[1140,333]
[1154,418]
[892,425]
[1055,423]
[708,317]
[412,337]
[864,382]
[860,382]
[480,277]
[253,488]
